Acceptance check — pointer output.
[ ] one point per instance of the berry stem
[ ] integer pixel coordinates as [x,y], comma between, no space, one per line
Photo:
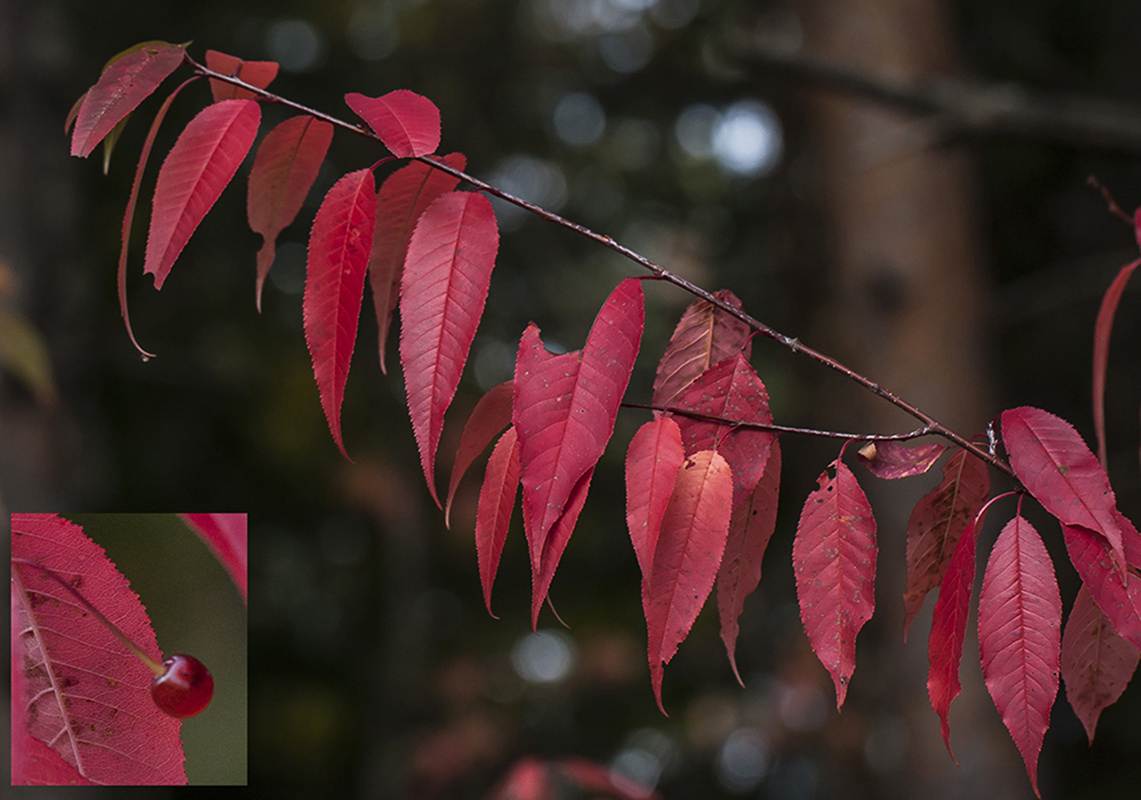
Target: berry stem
[154,666]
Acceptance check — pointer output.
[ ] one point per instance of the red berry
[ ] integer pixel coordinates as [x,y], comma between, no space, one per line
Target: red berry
[185,688]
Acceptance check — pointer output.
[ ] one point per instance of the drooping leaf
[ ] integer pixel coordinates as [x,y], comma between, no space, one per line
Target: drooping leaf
[555,544]
[196,170]
[1057,468]
[751,527]
[1020,636]
[496,503]
[334,285]
[565,407]
[949,625]
[936,523]
[255,73]
[442,293]
[88,697]
[124,84]
[897,460]
[1102,330]
[401,200]
[687,556]
[407,123]
[129,214]
[652,460]
[226,536]
[285,167]
[1097,663]
[704,336]
[489,417]
[1117,592]
[730,390]
[834,560]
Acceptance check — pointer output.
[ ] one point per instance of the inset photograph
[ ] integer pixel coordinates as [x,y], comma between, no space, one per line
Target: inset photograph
[129,649]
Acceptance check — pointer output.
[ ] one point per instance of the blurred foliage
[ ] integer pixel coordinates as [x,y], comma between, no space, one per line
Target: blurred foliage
[375,670]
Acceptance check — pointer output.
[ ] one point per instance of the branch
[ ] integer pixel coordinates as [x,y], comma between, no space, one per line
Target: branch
[964,108]
[930,424]
[772,426]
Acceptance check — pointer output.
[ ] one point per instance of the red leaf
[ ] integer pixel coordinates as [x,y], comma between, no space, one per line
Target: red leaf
[689,551]
[225,535]
[1096,663]
[652,460]
[489,417]
[565,407]
[442,293]
[1102,330]
[529,779]
[196,170]
[752,526]
[496,502]
[555,544]
[834,558]
[401,200]
[21,742]
[1020,633]
[595,777]
[407,123]
[936,523]
[129,214]
[1117,592]
[286,164]
[125,83]
[1061,473]
[334,285]
[255,73]
[88,697]
[897,460]
[730,390]
[949,625]
[704,336]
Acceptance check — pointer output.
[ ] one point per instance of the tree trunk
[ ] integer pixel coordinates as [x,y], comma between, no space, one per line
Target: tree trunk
[908,309]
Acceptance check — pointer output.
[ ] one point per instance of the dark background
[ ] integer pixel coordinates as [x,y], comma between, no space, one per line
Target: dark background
[375,671]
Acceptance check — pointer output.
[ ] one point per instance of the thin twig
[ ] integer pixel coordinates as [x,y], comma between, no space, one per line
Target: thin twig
[775,428]
[930,424]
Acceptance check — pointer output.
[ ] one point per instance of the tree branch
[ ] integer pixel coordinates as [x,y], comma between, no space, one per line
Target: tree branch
[930,424]
[963,108]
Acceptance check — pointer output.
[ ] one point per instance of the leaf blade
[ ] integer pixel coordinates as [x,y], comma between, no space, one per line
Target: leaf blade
[443,290]
[936,523]
[122,86]
[1057,468]
[1103,328]
[284,169]
[1020,631]
[339,245]
[401,200]
[653,457]
[407,123]
[688,555]
[202,162]
[564,407]
[255,73]
[489,417]
[1097,663]
[705,335]
[496,504]
[834,559]
[97,682]
[752,526]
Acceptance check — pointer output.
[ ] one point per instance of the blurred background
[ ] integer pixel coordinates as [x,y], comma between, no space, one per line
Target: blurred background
[900,184]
